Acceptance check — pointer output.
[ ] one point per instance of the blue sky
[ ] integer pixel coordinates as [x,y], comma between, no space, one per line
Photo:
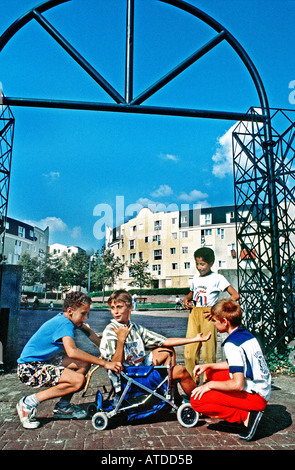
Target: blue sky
[68,166]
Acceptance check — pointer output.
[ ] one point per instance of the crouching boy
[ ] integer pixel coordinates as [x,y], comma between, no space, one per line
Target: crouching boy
[236,390]
[52,359]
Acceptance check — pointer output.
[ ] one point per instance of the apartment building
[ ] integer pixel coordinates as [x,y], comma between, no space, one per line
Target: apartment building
[59,249]
[167,240]
[21,237]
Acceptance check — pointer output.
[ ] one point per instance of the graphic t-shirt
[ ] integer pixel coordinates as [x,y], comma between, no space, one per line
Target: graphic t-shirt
[243,354]
[47,343]
[206,288]
[135,346]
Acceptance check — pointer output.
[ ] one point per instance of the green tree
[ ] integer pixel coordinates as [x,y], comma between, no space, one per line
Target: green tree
[53,271]
[141,277]
[106,268]
[31,269]
[76,269]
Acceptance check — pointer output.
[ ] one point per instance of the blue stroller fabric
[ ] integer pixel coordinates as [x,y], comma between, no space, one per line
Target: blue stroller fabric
[151,378]
[139,403]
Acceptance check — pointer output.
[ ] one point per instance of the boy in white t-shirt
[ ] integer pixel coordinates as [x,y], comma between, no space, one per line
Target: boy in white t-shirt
[238,389]
[204,293]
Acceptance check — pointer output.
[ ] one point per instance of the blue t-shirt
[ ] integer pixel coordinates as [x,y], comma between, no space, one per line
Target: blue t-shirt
[47,343]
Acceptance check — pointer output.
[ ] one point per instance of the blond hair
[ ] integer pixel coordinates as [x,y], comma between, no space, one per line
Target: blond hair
[229,309]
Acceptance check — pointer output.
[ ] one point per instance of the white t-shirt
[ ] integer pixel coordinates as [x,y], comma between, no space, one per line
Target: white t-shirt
[244,354]
[206,288]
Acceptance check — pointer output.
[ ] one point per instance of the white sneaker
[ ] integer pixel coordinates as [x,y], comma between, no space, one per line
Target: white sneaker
[27,414]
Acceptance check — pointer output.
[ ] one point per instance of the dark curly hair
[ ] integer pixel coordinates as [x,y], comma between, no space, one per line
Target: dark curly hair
[206,253]
[75,300]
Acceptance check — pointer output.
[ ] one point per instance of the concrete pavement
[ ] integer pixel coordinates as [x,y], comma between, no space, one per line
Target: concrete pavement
[160,434]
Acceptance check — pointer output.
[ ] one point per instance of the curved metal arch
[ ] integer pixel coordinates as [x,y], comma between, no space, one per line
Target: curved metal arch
[25,18]
[129,104]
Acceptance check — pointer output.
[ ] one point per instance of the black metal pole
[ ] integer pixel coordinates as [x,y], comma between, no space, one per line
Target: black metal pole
[129,51]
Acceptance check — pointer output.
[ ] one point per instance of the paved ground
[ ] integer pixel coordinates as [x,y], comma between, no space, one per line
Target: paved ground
[162,434]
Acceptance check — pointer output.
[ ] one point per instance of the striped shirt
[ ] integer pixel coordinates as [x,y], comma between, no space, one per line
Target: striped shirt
[138,340]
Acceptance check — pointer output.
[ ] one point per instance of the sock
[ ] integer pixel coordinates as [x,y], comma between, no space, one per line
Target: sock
[31,400]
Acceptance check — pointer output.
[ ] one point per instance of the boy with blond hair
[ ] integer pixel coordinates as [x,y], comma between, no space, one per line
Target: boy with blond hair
[238,389]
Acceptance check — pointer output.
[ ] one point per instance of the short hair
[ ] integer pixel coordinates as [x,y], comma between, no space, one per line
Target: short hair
[75,300]
[206,253]
[122,295]
[229,309]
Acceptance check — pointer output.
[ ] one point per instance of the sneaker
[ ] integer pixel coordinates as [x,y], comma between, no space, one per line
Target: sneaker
[27,414]
[254,418]
[69,412]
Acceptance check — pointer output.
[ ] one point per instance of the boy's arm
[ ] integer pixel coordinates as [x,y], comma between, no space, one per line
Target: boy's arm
[171,342]
[75,353]
[187,299]
[94,337]
[234,295]
[236,384]
[122,332]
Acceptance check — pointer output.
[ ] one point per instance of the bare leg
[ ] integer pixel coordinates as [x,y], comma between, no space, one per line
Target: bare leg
[162,356]
[180,373]
[71,380]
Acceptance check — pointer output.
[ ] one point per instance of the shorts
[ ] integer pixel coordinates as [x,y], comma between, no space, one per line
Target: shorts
[41,373]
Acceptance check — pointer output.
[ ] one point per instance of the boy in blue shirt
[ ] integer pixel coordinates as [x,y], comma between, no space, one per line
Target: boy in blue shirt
[52,359]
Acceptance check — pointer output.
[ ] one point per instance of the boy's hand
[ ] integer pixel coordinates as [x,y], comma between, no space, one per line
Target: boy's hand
[188,304]
[200,337]
[122,332]
[198,392]
[208,315]
[199,369]
[114,366]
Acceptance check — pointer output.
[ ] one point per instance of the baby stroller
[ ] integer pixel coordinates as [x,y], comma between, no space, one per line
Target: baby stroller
[145,390]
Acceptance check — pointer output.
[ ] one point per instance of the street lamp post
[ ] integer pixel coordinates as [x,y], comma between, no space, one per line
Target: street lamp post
[89,253]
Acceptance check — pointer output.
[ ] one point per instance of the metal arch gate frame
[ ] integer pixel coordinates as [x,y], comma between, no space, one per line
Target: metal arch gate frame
[128,104]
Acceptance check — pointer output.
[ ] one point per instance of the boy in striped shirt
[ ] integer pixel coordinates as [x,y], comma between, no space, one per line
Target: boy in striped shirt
[128,341]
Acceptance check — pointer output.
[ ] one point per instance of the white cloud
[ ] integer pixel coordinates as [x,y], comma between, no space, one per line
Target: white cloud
[76,232]
[169,156]
[163,190]
[223,158]
[52,176]
[193,196]
[55,224]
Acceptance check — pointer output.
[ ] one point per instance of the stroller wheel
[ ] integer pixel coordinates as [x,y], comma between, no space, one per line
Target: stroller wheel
[91,409]
[100,421]
[187,416]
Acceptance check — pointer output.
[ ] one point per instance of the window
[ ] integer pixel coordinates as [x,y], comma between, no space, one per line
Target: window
[146,239]
[208,219]
[184,234]
[187,265]
[132,257]
[172,251]
[173,220]
[131,244]
[208,231]
[220,232]
[140,255]
[158,225]
[174,266]
[184,219]
[21,231]
[184,250]
[157,268]
[157,238]
[174,235]
[157,254]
